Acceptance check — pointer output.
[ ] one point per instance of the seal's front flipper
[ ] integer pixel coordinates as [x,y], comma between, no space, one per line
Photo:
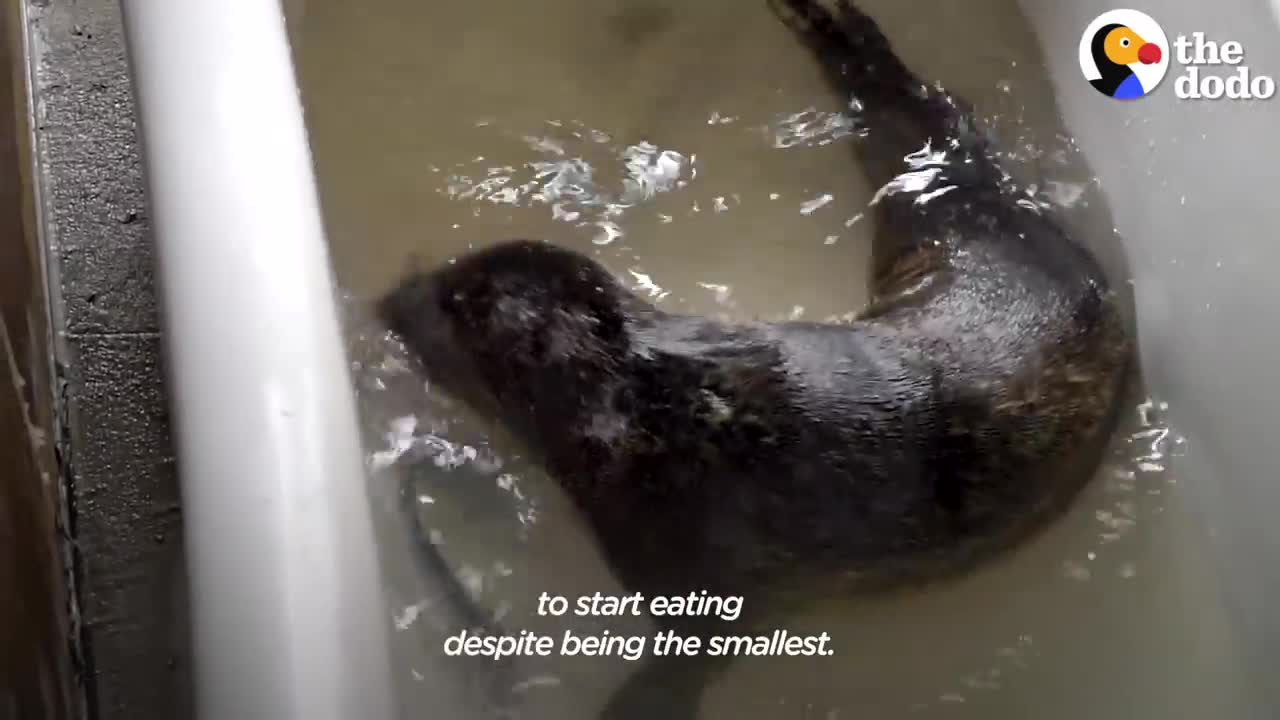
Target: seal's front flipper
[668,687]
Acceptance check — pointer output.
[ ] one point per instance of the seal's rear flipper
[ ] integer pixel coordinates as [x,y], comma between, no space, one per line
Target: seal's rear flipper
[901,111]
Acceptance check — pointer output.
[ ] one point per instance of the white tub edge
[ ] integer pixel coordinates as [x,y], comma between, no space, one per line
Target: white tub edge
[287,613]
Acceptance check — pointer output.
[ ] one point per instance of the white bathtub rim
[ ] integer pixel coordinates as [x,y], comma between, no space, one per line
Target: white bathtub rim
[288,618]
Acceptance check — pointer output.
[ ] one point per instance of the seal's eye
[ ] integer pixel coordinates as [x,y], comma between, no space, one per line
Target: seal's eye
[451,302]
[1124,42]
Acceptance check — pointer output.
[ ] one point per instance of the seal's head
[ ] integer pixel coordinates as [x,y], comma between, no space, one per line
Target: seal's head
[513,328]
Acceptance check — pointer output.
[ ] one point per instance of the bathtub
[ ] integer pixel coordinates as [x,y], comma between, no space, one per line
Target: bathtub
[287,613]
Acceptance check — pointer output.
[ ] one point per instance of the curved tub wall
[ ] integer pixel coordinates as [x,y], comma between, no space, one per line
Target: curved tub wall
[287,614]
[1191,186]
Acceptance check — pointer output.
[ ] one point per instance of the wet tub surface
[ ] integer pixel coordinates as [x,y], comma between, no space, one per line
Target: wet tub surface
[695,150]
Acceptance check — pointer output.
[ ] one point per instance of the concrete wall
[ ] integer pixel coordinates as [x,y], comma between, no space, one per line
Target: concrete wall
[112,434]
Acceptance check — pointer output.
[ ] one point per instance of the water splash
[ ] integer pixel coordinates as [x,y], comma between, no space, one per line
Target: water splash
[646,283]
[812,128]
[722,292]
[651,170]
[585,181]
[809,207]
[924,167]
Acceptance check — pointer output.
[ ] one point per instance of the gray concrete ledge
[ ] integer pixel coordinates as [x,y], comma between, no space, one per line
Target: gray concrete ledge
[115,452]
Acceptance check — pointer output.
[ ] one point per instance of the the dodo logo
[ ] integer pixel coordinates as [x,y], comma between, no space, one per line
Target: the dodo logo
[1124,54]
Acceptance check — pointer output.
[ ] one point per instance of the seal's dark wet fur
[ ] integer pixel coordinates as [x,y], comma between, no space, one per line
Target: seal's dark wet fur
[782,460]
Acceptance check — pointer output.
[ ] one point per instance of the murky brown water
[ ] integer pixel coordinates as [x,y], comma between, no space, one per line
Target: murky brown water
[694,148]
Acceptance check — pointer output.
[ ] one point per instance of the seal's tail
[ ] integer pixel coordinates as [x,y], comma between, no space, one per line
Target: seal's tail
[860,60]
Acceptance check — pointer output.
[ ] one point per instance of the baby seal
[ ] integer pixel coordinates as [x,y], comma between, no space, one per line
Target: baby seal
[782,461]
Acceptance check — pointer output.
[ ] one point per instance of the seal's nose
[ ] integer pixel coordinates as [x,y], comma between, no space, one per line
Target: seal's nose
[411,302]
[1149,53]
